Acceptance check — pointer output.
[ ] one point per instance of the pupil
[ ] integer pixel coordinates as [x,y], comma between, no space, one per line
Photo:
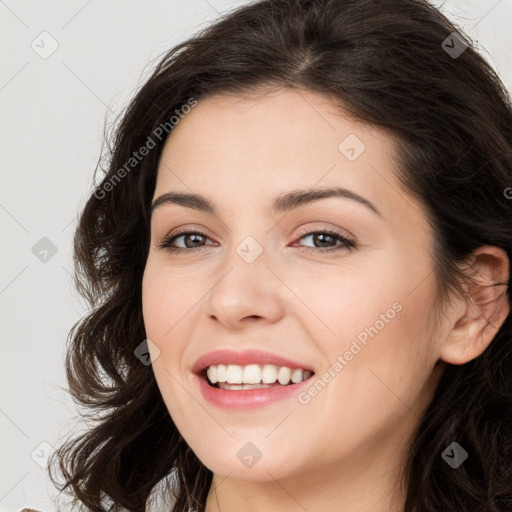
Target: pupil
[191,236]
[322,235]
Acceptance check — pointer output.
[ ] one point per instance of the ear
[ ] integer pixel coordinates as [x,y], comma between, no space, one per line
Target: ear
[476,318]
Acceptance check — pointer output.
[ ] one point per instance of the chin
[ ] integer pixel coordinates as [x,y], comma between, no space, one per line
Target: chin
[244,461]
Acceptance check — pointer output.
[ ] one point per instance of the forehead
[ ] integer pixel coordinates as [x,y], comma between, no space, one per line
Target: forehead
[253,147]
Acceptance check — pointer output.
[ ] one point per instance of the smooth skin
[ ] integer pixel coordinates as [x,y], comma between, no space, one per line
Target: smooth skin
[343,449]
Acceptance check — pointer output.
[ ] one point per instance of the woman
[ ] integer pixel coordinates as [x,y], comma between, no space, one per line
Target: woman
[297,262]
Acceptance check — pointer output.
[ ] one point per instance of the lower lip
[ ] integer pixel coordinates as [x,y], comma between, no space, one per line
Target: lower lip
[248,398]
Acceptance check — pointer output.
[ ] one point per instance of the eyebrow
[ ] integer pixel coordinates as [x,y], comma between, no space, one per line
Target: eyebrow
[281,204]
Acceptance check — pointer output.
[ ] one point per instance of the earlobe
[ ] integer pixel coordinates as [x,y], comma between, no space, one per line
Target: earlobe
[478,316]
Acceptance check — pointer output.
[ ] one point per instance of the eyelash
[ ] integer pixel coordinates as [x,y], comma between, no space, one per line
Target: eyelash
[346,243]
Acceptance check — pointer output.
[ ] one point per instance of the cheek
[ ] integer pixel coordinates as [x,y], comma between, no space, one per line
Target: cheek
[377,371]
[389,355]
[336,303]
[168,295]
[378,323]
[171,302]
[166,325]
[162,308]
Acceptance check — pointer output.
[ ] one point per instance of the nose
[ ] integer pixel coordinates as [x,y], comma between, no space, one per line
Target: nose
[245,293]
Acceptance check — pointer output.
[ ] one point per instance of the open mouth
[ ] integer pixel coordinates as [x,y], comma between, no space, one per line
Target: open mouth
[253,376]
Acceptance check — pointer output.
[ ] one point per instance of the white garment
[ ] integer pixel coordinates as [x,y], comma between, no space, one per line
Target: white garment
[160,498]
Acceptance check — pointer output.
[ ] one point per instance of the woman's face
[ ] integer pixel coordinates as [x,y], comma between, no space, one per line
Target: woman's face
[359,316]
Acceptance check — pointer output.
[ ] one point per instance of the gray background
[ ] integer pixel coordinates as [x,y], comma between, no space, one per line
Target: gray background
[53,110]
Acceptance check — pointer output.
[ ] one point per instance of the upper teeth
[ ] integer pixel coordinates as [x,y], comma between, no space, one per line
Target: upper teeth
[255,373]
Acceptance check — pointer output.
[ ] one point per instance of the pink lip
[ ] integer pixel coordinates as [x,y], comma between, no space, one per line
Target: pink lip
[247,398]
[244,358]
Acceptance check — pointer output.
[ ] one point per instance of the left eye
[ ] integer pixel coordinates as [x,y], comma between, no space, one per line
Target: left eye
[329,238]
[326,237]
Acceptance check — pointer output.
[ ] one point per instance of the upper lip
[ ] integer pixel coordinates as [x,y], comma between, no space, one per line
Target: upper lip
[243,358]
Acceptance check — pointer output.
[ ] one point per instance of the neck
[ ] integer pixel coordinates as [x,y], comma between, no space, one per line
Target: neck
[366,481]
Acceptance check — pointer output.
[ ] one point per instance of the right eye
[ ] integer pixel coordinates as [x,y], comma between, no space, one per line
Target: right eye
[195,236]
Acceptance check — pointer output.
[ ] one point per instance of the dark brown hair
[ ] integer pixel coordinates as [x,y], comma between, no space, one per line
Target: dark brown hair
[451,118]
